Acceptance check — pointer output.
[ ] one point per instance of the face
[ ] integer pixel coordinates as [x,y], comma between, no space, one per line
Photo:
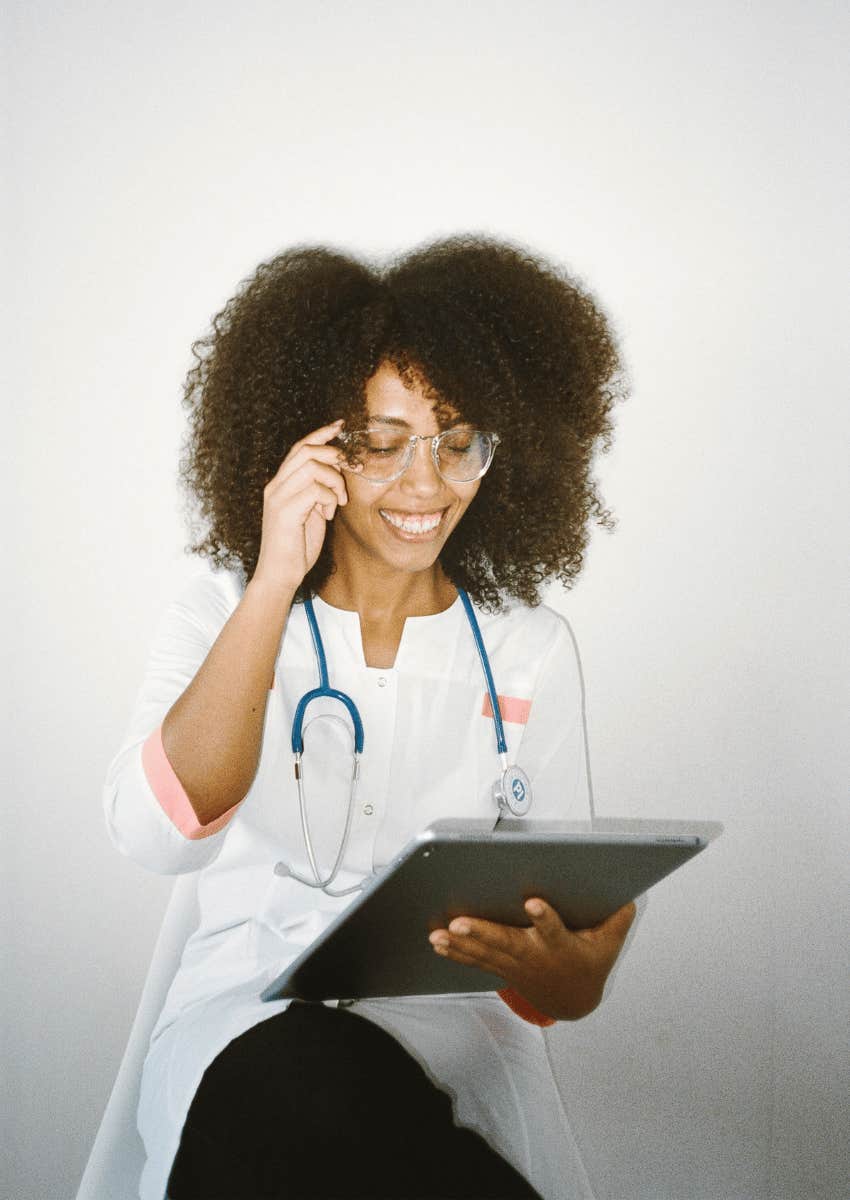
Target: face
[360,525]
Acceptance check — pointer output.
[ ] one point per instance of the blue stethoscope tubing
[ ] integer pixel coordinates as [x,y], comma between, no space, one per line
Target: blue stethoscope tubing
[512,791]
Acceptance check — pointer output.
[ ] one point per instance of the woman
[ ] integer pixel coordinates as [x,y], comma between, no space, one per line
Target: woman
[364,443]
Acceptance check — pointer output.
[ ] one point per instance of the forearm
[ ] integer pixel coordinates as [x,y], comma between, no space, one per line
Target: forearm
[213,732]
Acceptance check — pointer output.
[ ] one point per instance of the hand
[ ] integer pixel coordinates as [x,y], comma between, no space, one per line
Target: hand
[561,972]
[298,502]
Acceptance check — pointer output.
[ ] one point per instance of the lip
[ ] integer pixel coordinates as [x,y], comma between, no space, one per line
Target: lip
[404,536]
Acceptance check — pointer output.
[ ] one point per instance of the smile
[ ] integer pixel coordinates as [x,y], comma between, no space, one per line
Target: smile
[418,526]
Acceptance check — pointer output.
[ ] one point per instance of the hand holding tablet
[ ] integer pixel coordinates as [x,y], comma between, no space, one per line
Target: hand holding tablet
[561,972]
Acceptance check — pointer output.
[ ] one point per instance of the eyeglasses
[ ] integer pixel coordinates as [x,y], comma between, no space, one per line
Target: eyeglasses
[380,455]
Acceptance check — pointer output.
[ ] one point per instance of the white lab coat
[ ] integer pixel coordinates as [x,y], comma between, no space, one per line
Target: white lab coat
[430,752]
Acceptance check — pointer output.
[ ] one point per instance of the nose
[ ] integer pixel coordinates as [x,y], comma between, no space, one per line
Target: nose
[422,475]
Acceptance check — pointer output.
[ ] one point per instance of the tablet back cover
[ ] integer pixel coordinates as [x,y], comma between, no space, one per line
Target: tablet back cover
[379,946]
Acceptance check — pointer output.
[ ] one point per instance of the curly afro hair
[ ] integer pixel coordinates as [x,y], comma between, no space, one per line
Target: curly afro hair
[510,341]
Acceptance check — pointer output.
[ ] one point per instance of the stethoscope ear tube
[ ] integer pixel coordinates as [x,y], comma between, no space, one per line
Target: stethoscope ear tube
[488,674]
[512,792]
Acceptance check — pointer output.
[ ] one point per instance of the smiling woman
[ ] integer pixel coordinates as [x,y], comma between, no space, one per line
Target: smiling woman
[467,327]
[390,462]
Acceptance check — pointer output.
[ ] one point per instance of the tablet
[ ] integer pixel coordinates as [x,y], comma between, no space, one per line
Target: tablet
[378,945]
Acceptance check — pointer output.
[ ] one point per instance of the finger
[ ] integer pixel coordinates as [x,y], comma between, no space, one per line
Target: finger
[505,938]
[329,457]
[314,498]
[494,964]
[310,471]
[546,920]
[483,954]
[317,438]
[323,434]
[314,444]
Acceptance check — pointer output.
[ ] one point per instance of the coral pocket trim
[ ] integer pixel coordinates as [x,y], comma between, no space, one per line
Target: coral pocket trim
[513,708]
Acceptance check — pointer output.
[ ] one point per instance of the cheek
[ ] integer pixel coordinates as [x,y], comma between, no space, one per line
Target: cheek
[364,500]
[361,495]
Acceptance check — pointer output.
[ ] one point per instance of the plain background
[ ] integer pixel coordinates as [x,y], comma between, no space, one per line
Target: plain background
[686,162]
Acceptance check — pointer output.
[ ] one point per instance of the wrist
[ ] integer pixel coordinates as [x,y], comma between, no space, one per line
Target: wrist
[274,595]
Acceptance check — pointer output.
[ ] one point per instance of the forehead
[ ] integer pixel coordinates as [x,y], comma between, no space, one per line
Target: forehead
[392,402]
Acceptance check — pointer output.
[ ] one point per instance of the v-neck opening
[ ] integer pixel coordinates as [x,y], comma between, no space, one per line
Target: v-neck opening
[413,625]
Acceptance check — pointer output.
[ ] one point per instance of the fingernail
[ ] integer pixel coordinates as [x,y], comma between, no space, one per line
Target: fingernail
[535,908]
[460,927]
[437,940]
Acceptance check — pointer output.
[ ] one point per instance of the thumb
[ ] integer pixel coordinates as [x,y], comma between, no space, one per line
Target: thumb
[615,927]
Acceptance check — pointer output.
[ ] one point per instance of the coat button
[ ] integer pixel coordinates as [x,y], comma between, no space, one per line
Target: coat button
[382,681]
[368,809]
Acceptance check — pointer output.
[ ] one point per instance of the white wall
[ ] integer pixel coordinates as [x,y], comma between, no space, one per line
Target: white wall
[686,161]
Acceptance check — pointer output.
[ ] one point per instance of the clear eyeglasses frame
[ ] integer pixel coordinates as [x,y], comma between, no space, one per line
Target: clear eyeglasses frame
[436,439]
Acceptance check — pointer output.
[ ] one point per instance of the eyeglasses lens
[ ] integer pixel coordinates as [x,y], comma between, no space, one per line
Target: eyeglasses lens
[380,453]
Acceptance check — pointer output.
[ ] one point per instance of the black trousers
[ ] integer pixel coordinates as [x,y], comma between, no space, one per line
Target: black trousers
[319,1102]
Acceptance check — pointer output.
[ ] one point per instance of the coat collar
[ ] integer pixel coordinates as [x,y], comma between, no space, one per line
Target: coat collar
[418,638]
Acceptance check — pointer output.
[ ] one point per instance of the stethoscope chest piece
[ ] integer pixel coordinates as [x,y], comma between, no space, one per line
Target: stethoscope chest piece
[512,792]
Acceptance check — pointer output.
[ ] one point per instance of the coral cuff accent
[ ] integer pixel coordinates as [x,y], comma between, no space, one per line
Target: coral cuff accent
[523,1009]
[171,795]
[513,709]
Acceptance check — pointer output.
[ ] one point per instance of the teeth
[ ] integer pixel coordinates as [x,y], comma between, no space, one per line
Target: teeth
[411,524]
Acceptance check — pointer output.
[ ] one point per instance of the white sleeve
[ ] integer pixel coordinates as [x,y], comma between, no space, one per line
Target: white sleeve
[553,748]
[138,824]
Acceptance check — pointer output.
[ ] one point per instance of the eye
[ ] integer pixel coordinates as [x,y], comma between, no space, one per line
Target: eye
[464,442]
[378,442]
[374,444]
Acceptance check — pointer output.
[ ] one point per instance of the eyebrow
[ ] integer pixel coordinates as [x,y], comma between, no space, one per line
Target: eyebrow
[398,421]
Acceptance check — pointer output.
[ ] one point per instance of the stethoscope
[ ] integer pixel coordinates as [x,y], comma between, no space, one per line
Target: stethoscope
[511,791]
